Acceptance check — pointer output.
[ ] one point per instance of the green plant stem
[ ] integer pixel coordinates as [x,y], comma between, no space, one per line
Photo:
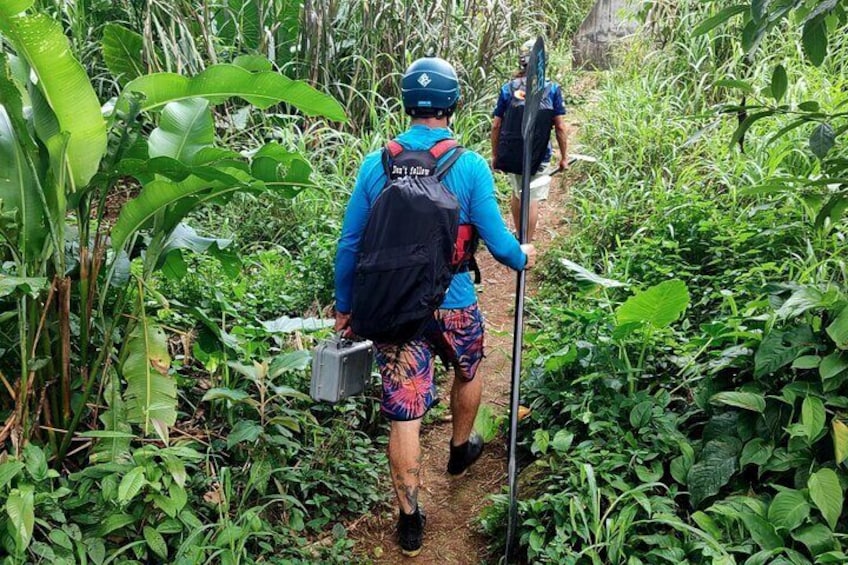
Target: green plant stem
[101,363]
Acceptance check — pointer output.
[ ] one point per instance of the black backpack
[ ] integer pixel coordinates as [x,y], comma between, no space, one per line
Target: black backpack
[408,253]
[511,140]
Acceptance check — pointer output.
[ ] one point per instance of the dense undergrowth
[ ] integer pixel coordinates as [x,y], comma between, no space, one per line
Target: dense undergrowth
[154,353]
[689,389]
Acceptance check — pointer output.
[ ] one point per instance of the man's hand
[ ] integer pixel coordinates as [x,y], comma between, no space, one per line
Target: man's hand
[563,163]
[530,251]
[343,324]
[492,164]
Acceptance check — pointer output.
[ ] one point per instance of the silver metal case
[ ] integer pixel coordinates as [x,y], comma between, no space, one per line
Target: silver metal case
[340,368]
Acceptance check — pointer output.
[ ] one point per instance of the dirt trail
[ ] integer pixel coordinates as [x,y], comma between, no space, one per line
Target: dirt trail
[452,504]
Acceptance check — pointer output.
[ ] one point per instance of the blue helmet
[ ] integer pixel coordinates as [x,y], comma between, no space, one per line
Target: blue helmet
[430,88]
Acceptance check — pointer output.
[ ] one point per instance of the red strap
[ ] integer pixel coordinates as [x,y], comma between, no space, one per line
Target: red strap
[442,147]
[394,148]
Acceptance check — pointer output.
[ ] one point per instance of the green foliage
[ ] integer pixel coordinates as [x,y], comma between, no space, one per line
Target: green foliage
[741,400]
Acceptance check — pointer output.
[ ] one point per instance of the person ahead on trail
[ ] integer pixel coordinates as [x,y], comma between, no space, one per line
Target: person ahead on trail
[372,266]
[507,139]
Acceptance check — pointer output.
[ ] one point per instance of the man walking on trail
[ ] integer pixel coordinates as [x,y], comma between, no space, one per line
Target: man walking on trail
[430,91]
[508,142]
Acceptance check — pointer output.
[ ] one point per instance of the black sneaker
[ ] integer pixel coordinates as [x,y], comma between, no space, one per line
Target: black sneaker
[462,456]
[411,531]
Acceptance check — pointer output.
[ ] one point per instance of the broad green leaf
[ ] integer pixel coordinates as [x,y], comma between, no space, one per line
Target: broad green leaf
[166,505]
[114,522]
[176,467]
[840,440]
[290,325]
[640,415]
[779,348]
[680,465]
[35,461]
[719,18]
[123,52]
[184,237]
[562,441]
[833,365]
[19,190]
[802,300]
[788,510]
[757,451]
[745,400]
[658,306]
[812,417]
[817,537]
[807,362]
[759,10]
[185,128]
[115,437]
[583,274]
[14,7]
[289,392]
[289,362]
[821,9]
[752,35]
[717,464]
[220,393]
[739,134]
[706,523]
[733,83]
[158,195]
[62,539]
[219,83]
[838,329]
[779,83]
[832,558]
[20,508]
[30,286]
[96,550]
[832,211]
[151,393]
[8,471]
[822,140]
[485,423]
[814,39]
[65,86]
[826,493]
[761,531]
[131,484]
[240,23]
[156,542]
[244,430]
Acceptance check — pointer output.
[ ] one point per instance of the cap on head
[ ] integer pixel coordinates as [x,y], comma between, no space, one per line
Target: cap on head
[524,52]
[430,88]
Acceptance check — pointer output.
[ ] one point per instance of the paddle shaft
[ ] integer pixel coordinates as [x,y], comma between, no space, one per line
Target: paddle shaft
[518,339]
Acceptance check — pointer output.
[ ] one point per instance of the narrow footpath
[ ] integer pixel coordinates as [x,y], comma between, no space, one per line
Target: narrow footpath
[452,504]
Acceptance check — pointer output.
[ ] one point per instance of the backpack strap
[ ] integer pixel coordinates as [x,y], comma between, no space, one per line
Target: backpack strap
[442,147]
[394,148]
[390,151]
[443,169]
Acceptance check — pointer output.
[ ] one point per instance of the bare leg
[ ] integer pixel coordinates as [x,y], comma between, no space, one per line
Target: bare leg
[532,216]
[405,462]
[465,400]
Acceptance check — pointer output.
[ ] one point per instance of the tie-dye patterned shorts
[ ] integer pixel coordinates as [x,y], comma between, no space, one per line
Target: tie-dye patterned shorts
[409,387]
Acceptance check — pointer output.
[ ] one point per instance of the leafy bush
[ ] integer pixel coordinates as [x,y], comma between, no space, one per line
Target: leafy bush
[733,423]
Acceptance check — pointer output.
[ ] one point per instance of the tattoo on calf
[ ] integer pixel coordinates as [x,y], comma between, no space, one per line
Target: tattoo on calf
[412,497]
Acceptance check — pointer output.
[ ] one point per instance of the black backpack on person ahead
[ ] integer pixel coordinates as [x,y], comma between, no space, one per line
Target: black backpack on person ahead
[412,246]
[511,140]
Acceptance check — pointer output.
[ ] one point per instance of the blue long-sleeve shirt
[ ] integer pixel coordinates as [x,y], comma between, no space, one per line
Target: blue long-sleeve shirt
[469,180]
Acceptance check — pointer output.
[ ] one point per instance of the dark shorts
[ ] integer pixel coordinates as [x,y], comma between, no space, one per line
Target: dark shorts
[409,387]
